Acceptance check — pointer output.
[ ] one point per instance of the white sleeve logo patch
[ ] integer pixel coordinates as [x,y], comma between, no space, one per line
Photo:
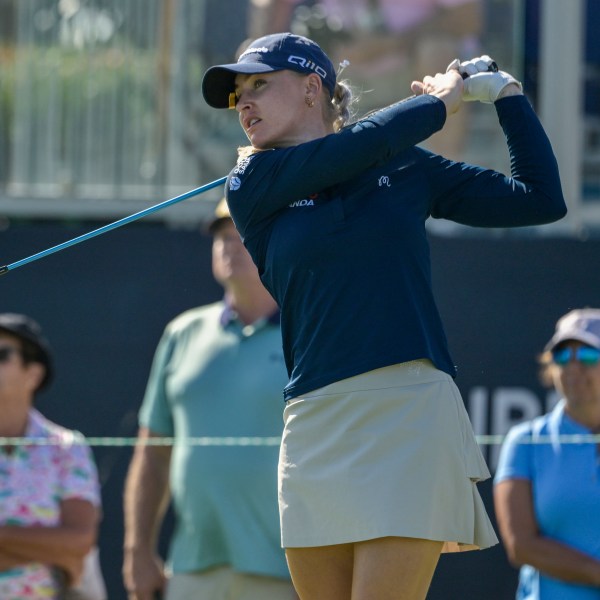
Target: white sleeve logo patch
[234,184]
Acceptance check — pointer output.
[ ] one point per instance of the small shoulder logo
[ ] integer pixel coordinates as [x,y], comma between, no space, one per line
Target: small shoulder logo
[241,165]
[384,180]
[234,184]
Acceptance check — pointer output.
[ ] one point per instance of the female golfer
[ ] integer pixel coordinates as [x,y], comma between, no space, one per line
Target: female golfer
[378,463]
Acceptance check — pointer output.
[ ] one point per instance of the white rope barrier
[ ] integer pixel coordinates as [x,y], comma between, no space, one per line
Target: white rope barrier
[484,440]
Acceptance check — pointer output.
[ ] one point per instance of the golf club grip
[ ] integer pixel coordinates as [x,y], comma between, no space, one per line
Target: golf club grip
[493,68]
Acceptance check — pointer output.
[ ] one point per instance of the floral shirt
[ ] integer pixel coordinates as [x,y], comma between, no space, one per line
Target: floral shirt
[34,480]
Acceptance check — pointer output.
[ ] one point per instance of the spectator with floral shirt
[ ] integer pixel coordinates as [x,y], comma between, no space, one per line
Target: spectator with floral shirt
[49,492]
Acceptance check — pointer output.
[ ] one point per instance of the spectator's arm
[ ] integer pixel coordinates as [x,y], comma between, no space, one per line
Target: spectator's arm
[146,500]
[64,545]
[525,544]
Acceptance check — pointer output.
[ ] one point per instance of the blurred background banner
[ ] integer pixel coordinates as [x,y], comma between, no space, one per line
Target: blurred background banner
[101,116]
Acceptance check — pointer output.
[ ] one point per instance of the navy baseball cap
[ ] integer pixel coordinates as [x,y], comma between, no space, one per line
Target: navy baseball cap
[26,329]
[274,52]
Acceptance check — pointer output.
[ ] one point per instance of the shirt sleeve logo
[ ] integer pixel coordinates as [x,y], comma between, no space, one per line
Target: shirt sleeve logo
[235,183]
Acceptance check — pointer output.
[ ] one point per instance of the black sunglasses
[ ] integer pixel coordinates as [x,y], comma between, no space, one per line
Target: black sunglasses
[7,352]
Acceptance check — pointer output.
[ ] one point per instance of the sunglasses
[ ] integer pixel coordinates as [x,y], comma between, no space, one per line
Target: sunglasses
[587,356]
[7,352]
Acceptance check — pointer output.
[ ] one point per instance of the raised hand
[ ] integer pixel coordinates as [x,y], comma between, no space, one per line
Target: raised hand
[483,82]
[448,87]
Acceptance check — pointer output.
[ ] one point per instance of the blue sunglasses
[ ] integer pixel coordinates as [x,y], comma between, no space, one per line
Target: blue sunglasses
[585,355]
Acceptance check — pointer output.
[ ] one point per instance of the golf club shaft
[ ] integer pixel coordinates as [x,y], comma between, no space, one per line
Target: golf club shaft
[86,236]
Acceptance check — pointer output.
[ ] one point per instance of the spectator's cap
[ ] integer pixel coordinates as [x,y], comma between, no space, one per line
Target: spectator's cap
[582,325]
[220,217]
[274,52]
[29,332]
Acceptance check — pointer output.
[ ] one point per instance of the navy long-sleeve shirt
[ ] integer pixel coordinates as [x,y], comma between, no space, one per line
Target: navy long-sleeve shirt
[336,227]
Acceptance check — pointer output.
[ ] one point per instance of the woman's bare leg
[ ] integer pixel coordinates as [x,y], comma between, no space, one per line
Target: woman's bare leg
[322,572]
[390,568]
[394,568]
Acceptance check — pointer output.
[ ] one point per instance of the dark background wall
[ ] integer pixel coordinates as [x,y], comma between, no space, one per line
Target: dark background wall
[103,305]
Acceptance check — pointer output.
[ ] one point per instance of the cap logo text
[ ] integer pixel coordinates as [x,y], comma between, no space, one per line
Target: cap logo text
[253,51]
[307,64]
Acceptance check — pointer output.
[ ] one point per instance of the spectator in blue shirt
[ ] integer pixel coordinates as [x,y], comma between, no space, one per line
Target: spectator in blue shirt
[547,490]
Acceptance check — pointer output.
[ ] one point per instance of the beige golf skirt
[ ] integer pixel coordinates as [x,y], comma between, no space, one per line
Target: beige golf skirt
[390,452]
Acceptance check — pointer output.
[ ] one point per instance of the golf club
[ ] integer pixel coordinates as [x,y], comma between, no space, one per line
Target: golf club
[86,236]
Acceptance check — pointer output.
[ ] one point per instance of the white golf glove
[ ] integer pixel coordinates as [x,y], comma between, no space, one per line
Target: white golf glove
[483,81]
